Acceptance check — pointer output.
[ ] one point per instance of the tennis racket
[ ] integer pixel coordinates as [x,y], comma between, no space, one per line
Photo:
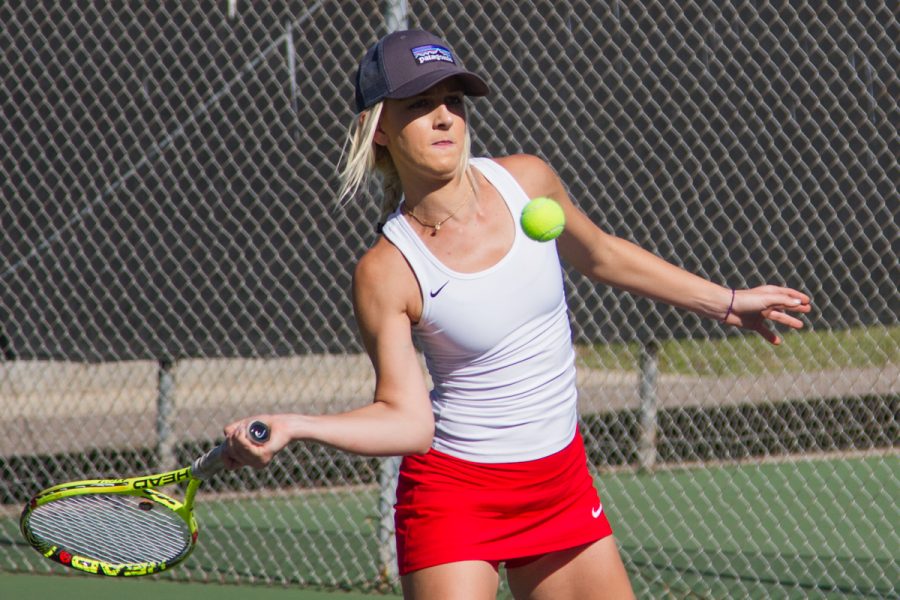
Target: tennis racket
[122,527]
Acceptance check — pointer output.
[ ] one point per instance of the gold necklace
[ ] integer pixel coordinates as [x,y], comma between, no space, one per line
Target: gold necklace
[437,226]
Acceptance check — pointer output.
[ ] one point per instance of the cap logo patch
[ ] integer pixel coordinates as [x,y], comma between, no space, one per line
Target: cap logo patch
[432,53]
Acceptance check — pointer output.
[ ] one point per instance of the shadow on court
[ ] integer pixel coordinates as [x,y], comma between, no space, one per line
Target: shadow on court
[79,587]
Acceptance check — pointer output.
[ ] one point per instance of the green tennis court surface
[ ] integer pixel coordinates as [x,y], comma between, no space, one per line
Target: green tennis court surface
[796,529]
[810,528]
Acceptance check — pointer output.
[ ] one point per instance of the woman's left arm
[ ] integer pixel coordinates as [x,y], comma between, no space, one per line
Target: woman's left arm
[617,262]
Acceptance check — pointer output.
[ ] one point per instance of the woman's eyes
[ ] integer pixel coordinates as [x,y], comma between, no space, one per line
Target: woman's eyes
[428,103]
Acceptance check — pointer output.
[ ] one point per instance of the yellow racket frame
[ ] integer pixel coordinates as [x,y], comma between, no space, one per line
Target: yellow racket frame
[141,487]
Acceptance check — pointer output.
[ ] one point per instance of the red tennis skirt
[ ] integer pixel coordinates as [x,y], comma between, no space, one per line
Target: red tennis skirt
[450,510]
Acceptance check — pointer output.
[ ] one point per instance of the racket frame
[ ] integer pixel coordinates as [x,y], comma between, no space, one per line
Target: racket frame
[204,467]
[140,487]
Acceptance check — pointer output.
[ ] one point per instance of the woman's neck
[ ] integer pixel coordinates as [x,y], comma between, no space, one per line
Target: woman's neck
[434,205]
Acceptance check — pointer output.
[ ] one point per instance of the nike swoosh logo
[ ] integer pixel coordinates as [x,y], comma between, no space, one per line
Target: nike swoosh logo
[595,512]
[438,291]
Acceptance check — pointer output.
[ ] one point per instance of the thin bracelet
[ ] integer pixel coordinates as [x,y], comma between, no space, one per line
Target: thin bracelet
[730,307]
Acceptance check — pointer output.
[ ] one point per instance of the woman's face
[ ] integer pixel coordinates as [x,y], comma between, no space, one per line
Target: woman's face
[425,134]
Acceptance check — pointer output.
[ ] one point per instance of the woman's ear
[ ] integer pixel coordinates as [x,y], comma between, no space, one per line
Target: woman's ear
[380,136]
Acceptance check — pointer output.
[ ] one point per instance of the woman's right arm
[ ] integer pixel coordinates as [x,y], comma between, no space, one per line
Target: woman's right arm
[399,421]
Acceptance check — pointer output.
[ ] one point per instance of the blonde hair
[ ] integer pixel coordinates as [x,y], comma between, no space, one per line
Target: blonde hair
[365,157]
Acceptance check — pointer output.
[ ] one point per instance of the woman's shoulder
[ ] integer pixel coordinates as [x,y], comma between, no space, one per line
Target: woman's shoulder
[384,279]
[532,172]
[523,160]
[381,260]
[383,268]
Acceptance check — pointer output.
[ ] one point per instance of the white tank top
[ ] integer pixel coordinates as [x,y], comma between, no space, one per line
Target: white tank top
[497,343]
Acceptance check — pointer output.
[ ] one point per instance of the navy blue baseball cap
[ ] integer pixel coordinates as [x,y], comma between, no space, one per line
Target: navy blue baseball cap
[406,63]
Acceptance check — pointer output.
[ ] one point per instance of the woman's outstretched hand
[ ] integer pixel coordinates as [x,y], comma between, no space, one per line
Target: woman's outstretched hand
[754,308]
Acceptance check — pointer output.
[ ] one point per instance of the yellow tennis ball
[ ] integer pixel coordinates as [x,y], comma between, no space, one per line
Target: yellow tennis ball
[543,219]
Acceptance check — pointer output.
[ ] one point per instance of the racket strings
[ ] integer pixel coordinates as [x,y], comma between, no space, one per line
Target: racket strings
[113,528]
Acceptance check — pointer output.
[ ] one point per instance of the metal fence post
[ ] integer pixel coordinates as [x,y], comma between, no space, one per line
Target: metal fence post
[387,549]
[396,15]
[396,19]
[649,372]
[165,409]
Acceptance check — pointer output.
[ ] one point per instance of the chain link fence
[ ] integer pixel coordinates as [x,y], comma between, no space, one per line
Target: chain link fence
[172,257]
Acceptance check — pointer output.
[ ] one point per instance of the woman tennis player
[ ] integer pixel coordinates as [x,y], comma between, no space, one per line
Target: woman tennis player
[494,469]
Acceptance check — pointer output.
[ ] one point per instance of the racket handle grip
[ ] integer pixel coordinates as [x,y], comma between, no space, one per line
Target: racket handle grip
[209,464]
[258,432]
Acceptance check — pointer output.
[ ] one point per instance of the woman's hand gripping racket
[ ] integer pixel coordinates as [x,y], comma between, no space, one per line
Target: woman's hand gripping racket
[122,527]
